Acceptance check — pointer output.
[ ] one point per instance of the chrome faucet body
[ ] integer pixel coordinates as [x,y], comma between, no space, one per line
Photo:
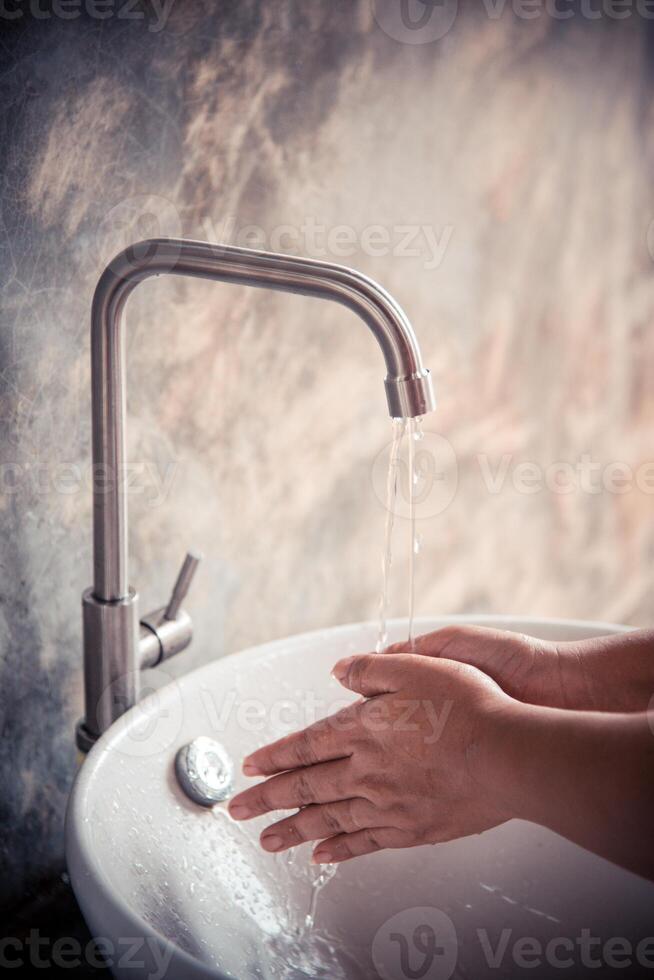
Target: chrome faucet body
[116,646]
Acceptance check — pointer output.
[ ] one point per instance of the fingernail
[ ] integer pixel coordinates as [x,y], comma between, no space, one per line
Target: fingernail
[321,857]
[240,811]
[342,668]
[271,842]
[249,769]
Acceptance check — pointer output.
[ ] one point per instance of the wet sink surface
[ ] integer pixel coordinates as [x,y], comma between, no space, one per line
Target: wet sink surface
[188,893]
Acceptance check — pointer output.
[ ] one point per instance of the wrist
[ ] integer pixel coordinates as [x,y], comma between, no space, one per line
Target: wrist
[612,673]
[499,737]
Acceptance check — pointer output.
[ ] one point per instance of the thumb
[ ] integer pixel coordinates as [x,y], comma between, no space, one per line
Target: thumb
[371,674]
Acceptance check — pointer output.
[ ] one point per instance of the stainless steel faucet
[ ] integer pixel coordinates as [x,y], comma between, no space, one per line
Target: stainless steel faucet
[117,646]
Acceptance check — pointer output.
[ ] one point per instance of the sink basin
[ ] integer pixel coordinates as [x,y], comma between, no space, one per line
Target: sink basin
[178,890]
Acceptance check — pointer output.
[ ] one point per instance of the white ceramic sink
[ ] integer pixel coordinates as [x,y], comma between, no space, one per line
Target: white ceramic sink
[177,890]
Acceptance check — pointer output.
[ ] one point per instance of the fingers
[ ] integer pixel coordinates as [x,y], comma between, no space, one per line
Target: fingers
[474,645]
[319,742]
[370,674]
[318,822]
[427,645]
[324,783]
[346,846]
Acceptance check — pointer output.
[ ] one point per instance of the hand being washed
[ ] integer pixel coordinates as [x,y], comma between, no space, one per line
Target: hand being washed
[397,769]
[438,750]
[606,673]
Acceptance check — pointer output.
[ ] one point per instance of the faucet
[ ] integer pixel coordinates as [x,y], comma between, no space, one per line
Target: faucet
[117,644]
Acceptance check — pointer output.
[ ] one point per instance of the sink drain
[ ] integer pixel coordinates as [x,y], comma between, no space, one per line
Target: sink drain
[204,771]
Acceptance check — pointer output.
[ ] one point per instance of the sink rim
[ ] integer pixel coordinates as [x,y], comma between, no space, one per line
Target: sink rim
[80,855]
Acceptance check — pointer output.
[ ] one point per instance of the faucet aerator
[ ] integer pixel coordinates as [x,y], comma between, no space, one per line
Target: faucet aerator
[411,396]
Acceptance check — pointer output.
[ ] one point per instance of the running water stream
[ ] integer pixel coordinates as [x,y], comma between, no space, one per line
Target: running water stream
[412,431]
[392,480]
[414,436]
[326,873]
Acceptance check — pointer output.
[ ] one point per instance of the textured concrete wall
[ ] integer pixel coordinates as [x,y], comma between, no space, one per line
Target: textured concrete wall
[516,151]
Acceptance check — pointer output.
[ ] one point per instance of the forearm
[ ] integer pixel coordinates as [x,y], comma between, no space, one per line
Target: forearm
[609,673]
[585,775]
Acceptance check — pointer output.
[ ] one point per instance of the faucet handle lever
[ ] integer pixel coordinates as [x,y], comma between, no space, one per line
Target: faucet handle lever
[167,631]
[182,585]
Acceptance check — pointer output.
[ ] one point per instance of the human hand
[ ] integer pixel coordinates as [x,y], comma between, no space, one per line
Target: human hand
[410,764]
[604,673]
[526,668]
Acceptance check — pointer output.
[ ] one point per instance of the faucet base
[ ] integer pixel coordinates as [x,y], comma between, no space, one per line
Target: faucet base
[84,739]
[111,668]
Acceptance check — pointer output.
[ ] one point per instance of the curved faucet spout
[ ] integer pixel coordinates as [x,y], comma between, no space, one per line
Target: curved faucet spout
[408,388]
[408,383]
[110,607]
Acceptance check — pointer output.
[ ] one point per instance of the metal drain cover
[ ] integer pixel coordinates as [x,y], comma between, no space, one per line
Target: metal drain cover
[204,771]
